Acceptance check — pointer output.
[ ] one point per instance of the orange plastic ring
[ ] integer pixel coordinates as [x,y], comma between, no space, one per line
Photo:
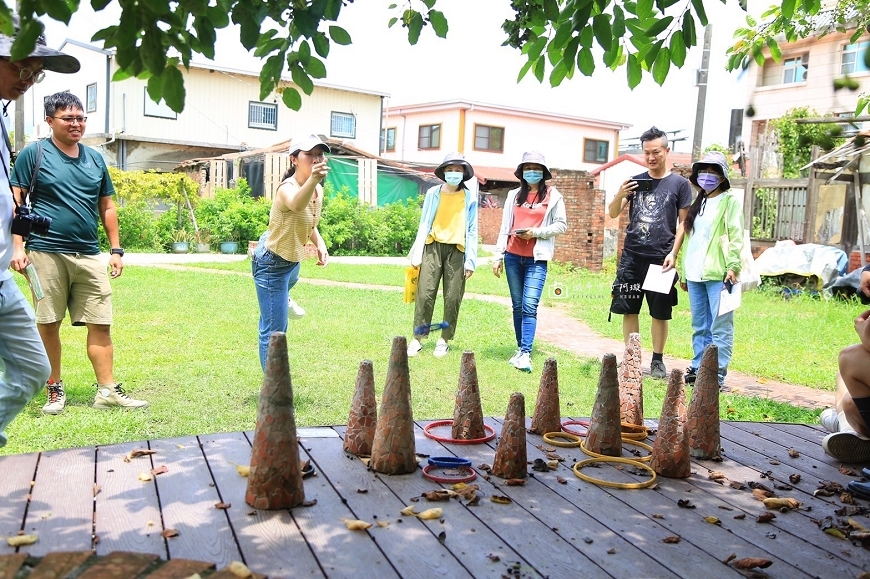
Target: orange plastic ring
[438,423]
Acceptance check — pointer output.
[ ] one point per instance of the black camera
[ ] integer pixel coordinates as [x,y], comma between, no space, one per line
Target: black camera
[26,222]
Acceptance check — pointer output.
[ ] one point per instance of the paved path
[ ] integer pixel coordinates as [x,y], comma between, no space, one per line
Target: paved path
[555,327]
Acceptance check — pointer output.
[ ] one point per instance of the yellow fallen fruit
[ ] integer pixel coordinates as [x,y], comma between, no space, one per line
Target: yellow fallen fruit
[243,470]
[835,532]
[356,525]
[713,520]
[430,514]
[145,476]
[778,503]
[239,569]
[408,511]
[383,524]
[21,540]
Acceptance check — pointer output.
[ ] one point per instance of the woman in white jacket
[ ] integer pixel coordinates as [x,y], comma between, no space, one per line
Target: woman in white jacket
[533,216]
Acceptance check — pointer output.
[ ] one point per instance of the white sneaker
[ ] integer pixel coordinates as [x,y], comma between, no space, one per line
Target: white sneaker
[516,355]
[441,348]
[414,348]
[524,362]
[294,310]
[829,420]
[113,396]
[847,446]
[56,398]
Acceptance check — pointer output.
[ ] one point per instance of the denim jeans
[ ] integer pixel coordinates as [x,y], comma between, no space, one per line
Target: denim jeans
[525,278]
[708,326]
[273,278]
[24,366]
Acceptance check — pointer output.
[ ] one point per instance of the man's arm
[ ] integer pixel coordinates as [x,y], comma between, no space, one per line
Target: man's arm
[620,200]
[109,217]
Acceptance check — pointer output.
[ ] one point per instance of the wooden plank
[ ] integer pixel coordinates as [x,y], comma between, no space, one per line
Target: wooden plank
[808,445]
[270,541]
[467,536]
[187,498]
[62,506]
[18,471]
[410,546]
[126,510]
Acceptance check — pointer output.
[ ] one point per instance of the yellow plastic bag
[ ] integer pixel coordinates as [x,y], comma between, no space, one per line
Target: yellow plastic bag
[412,274]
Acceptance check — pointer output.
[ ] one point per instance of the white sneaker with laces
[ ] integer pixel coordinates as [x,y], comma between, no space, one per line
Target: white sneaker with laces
[414,348]
[294,310]
[829,420]
[524,362]
[441,348]
[113,396]
[516,355]
[56,398]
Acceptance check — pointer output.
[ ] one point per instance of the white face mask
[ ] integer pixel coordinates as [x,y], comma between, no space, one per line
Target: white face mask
[453,178]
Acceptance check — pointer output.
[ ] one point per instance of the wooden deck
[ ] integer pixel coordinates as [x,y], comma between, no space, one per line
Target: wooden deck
[551,529]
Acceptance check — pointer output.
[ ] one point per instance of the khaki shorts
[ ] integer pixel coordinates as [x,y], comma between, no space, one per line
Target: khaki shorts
[76,282]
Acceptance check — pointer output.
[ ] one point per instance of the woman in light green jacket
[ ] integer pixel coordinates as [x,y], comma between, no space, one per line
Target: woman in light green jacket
[713,236]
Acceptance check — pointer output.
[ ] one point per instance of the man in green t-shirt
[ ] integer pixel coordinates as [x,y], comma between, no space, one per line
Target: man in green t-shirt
[74,190]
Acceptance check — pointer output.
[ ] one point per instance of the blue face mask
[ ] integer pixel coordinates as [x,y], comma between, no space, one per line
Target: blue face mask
[533,177]
[453,177]
[708,182]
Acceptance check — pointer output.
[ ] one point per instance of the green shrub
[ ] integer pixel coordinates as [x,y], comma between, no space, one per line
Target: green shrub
[233,215]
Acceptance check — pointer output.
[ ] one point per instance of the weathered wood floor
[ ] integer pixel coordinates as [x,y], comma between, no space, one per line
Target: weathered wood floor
[551,529]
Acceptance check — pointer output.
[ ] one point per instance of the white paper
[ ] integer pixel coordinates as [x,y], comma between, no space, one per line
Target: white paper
[656,281]
[728,302]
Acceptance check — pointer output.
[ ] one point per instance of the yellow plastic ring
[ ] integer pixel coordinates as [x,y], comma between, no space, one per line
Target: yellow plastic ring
[550,438]
[641,431]
[646,447]
[614,485]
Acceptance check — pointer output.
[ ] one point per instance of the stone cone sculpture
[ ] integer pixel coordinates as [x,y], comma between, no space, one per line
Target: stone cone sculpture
[468,413]
[670,455]
[275,480]
[547,416]
[631,382]
[363,416]
[702,426]
[393,446]
[510,453]
[605,431]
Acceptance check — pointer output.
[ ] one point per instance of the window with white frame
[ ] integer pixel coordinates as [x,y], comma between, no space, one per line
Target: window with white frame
[795,69]
[429,137]
[91,104]
[488,138]
[390,139]
[343,125]
[262,115]
[852,60]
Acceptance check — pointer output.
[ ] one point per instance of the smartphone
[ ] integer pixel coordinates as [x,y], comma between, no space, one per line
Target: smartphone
[643,184]
[729,286]
[520,231]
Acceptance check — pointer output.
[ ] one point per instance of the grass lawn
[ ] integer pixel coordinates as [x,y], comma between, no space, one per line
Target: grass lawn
[186,342]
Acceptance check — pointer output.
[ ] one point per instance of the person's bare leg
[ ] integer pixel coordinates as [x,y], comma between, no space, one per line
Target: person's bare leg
[50,334]
[854,362]
[630,324]
[101,352]
[659,335]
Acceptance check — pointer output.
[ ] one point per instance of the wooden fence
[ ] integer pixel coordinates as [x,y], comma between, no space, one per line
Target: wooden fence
[775,209]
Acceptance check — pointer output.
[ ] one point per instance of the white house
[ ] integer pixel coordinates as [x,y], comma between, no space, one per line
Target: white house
[222,113]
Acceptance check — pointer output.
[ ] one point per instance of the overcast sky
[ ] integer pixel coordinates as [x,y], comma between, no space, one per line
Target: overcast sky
[471,64]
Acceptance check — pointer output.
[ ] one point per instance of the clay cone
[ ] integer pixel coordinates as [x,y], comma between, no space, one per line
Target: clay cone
[275,481]
[468,413]
[605,431]
[631,382]
[363,413]
[670,455]
[393,446]
[547,417]
[702,426]
[510,453]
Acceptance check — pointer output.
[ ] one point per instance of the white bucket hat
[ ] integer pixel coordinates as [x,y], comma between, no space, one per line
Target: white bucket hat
[536,158]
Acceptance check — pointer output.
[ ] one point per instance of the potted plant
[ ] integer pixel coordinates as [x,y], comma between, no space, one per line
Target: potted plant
[203,241]
[180,241]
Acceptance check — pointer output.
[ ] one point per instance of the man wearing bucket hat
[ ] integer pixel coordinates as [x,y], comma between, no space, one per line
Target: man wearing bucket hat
[533,215]
[445,246]
[657,200]
[21,351]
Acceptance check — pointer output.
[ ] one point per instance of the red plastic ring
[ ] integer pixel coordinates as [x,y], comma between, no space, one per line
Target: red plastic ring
[574,432]
[449,479]
[438,423]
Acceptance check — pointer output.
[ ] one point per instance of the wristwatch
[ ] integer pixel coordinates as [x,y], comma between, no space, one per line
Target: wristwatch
[117,251]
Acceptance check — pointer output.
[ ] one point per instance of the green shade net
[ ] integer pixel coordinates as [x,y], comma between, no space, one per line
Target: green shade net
[392,186]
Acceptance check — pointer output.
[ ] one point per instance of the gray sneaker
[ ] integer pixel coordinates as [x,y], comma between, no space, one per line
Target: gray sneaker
[847,447]
[56,398]
[115,397]
[657,370]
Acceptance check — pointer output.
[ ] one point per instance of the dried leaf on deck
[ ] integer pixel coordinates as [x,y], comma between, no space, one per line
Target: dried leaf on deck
[159,470]
[356,525]
[554,456]
[752,563]
[779,503]
[740,517]
[851,511]
[561,480]
[774,462]
[834,531]
[793,453]
[145,476]
[738,486]
[685,504]
[845,470]
[552,464]
[222,506]
[545,449]
[485,467]
[766,517]
[673,539]
[439,495]
[501,500]
[382,524]
[515,482]
[430,514]
[408,511]
[137,453]
[758,486]
[712,520]
[658,516]
[167,533]
[309,503]
[717,475]
[466,491]
[362,491]
[761,495]
[97,489]
[858,526]
[21,540]
[847,499]
[794,478]
[239,569]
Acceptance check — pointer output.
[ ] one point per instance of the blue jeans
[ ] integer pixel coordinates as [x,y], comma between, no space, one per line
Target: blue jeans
[273,278]
[24,366]
[708,326]
[525,278]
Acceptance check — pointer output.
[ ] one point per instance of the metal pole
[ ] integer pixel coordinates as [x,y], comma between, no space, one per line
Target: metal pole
[856,178]
[703,73]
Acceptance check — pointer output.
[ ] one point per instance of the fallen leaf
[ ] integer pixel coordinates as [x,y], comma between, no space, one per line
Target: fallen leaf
[858,526]
[737,485]
[365,460]
[493,557]
[717,475]
[740,517]
[611,551]
[845,470]
[724,508]
[362,491]
[408,511]
[761,494]
[21,540]
[766,517]
[588,540]
[159,470]
[793,453]
[540,465]
[778,503]
[552,464]
[137,453]
[383,524]
[442,536]
[144,476]
[309,503]
[167,533]
[515,482]
[835,532]
[554,456]
[730,558]
[243,470]
[222,505]
[685,504]
[239,569]
[752,563]
[501,500]
[473,502]
[794,478]
[439,495]
[356,525]
[847,499]
[673,539]
[774,462]
[430,514]
[713,520]
[561,480]
[485,467]
[97,489]
[658,516]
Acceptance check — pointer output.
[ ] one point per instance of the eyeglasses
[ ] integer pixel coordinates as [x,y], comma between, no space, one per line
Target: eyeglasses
[71,120]
[27,72]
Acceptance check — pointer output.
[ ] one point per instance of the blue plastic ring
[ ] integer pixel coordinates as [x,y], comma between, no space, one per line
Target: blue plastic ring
[449,462]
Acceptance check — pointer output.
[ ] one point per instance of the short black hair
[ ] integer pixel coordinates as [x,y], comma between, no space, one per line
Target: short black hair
[61,101]
[654,133]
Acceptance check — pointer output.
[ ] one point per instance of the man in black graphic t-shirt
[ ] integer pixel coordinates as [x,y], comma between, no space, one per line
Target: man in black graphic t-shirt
[654,212]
